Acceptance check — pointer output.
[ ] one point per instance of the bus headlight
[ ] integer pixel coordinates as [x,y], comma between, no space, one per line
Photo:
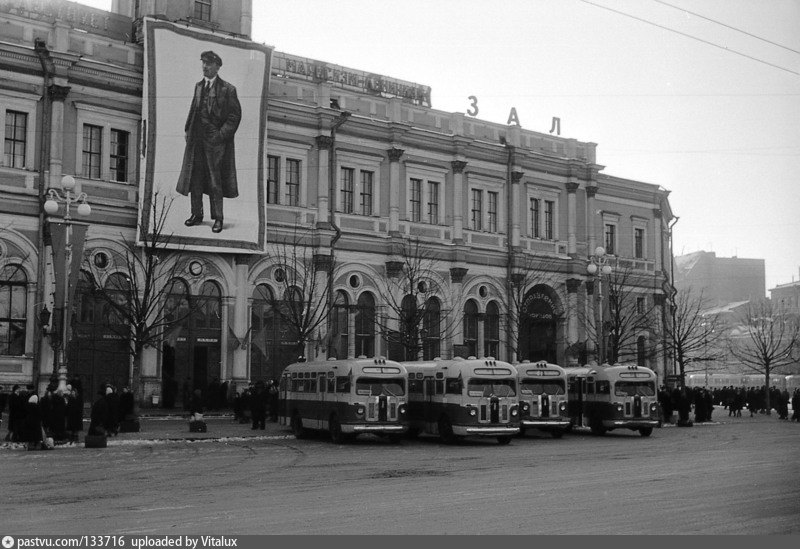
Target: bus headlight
[401,409]
[619,407]
[525,407]
[472,411]
[360,410]
[653,407]
[562,407]
[514,411]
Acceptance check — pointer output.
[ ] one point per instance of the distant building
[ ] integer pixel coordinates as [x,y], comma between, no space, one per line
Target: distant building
[787,295]
[723,280]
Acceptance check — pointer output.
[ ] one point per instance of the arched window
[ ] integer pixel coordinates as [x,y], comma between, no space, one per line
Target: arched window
[177,307]
[339,326]
[208,310]
[85,301]
[115,309]
[13,310]
[491,330]
[365,325]
[431,343]
[471,327]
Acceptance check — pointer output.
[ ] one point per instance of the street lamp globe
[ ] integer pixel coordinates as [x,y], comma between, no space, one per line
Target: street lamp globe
[606,270]
[51,206]
[591,268]
[84,209]
[68,182]
[599,251]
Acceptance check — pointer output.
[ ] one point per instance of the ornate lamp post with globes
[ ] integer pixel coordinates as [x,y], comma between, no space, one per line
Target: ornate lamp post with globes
[68,197]
[597,267]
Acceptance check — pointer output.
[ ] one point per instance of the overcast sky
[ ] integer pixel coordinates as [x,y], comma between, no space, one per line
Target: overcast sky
[701,97]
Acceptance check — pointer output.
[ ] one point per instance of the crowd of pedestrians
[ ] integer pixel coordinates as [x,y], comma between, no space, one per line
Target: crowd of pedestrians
[55,417]
[702,401]
[257,403]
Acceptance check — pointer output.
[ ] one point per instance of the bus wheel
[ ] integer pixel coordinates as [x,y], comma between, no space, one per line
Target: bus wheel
[446,431]
[522,431]
[598,430]
[337,437]
[297,427]
[503,440]
[412,433]
[394,438]
[557,433]
[646,431]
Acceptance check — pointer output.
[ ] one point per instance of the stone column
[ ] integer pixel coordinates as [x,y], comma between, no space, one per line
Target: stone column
[323,151]
[590,312]
[58,94]
[394,189]
[516,199]
[458,199]
[658,258]
[572,316]
[572,222]
[591,215]
[236,372]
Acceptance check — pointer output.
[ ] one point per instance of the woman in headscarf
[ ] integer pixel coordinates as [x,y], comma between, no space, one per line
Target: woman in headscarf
[32,427]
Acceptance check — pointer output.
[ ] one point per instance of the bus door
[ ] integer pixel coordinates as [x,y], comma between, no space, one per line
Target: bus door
[576,388]
[429,414]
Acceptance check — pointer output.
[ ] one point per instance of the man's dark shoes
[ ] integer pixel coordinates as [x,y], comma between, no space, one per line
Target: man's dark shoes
[194,220]
[217,228]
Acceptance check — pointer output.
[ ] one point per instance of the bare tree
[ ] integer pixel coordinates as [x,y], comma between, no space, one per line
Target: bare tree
[692,333]
[766,340]
[139,298]
[413,321]
[305,278]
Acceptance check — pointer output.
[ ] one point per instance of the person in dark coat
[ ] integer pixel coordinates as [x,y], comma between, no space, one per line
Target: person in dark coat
[98,419]
[126,406]
[74,414]
[209,165]
[16,413]
[796,405]
[32,427]
[112,418]
[258,406]
[684,406]
[57,416]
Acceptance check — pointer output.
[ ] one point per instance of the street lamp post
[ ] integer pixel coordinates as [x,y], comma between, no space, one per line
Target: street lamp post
[597,267]
[68,197]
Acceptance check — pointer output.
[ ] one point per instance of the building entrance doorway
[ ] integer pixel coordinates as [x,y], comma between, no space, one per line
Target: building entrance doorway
[539,326]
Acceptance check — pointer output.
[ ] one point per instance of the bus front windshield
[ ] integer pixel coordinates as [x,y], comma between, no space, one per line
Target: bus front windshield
[634,388]
[373,386]
[490,387]
[542,387]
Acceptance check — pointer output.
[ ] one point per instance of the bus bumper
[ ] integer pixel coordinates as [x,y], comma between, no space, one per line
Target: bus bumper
[485,431]
[365,428]
[545,423]
[629,423]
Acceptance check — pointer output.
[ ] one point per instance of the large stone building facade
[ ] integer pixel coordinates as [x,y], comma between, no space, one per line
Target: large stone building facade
[362,164]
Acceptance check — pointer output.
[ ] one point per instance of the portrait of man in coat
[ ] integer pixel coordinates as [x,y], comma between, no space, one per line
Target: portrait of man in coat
[209,166]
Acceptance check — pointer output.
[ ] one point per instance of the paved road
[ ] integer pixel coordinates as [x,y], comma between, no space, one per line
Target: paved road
[738,477]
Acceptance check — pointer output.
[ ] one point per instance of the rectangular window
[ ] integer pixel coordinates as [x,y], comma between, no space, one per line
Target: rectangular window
[638,243]
[640,305]
[347,184]
[119,155]
[416,199]
[477,210]
[611,239]
[535,212]
[92,150]
[549,214]
[433,202]
[273,175]
[366,192]
[292,182]
[202,10]
[15,146]
[492,211]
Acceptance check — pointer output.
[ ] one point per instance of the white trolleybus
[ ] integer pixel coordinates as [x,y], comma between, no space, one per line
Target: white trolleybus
[613,397]
[463,397]
[543,397]
[345,397]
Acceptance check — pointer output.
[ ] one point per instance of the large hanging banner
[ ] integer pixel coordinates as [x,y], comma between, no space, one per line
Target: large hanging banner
[204,138]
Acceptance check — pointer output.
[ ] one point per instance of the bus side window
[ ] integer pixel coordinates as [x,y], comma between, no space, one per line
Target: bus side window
[322,385]
[454,386]
[331,385]
[590,386]
[439,386]
[603,387]
[415,386]
[342,384]
[428,386]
